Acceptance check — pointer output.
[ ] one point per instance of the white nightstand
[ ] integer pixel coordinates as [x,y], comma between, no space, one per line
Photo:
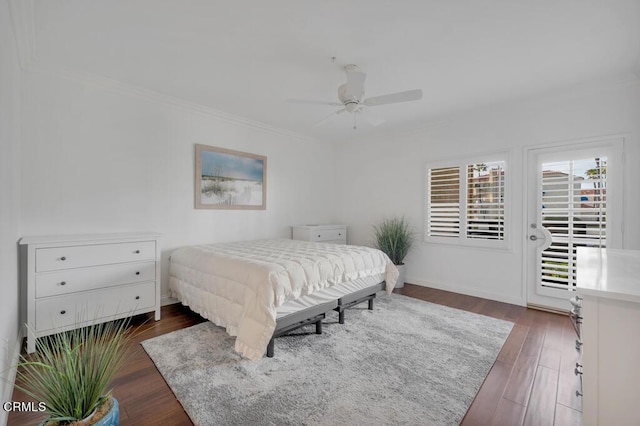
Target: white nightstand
[336,234]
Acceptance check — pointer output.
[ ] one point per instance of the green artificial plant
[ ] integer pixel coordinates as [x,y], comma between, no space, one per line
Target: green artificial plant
[394,237]
[70,372]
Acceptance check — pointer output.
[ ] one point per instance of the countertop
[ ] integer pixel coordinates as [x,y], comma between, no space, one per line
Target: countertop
[609,273]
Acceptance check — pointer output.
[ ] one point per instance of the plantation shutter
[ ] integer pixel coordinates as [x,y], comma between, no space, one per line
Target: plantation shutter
[465,202]
[485,201]
[574,207]
[443,202]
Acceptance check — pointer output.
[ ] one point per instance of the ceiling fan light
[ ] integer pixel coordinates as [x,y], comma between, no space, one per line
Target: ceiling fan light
[351,106]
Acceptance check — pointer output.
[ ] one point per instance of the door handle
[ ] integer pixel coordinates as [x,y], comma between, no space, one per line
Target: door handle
[548,238]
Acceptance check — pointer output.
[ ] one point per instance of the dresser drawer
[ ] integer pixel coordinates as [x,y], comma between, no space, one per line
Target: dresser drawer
[58,258]
[327,235]
[81,279]
[57,312]
[336,234]
[125,299]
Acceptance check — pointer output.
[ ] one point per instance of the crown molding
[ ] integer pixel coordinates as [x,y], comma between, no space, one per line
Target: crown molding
[24,29]
[117,86]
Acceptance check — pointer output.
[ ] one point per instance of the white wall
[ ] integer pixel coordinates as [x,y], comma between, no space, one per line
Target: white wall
[9,202]
[101,157]
[384,175]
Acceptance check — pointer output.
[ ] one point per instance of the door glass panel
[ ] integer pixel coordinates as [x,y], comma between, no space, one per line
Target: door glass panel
[573,210]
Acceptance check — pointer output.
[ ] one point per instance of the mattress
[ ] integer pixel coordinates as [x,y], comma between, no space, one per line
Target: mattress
[241,285]
[328,294]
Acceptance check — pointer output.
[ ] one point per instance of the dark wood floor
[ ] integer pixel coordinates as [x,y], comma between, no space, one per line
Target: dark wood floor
[531,383]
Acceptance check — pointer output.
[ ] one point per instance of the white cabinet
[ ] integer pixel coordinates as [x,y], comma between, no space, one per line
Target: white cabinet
[75,280]
[336,234]
[609,282]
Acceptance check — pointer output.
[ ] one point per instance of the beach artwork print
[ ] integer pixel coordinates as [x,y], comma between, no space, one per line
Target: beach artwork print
[227,179]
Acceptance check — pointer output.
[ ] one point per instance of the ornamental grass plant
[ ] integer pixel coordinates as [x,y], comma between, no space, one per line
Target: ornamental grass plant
[71,371]
[394,237]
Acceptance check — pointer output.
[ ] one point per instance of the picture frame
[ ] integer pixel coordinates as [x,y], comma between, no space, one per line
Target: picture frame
[229,180]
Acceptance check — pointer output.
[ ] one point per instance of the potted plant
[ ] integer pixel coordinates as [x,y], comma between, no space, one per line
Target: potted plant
[70,373]
[394,237]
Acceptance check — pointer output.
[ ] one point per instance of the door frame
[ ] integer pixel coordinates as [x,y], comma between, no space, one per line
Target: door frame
[614,145]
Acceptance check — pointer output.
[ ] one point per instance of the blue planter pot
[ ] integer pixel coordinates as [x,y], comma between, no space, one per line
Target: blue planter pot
[112,418]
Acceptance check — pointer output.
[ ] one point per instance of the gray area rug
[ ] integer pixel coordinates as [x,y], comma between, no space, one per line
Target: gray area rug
[406,362]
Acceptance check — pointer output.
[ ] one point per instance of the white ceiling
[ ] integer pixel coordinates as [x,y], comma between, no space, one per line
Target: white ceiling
[247,57]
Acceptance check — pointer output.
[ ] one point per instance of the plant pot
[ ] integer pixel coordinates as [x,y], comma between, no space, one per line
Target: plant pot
[401,274]
[110,418]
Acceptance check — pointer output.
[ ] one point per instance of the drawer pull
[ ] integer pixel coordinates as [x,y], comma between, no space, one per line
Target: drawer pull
[62,312]
[578,344]
[63,258]
[63,283]
[137,272]
[578,370]
[578,393]
[318,235]
[137,252]
[137,297]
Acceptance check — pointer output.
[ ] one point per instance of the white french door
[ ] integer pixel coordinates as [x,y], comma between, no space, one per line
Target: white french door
[574,200]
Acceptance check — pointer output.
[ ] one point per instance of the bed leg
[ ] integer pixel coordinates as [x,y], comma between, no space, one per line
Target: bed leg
[341,317]
[270,348]
[371,304]
[319,327]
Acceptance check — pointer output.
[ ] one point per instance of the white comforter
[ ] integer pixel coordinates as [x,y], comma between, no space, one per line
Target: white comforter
[240,285]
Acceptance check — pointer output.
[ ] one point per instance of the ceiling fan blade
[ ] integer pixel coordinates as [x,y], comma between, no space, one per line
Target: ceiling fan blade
[410,95]
[306,101]
[355,83]
[329,117]
[371,118]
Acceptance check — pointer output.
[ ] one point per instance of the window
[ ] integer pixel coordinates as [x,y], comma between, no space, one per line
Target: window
[466,202]
[485,201]
[444,202]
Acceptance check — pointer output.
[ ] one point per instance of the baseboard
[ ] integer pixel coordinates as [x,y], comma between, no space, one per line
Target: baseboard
[166,300]
[468,291]
[7,390]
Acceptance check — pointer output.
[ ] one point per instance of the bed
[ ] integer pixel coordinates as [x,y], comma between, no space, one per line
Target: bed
[259,289]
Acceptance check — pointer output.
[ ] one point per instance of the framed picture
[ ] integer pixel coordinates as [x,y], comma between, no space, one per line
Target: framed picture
[227,179]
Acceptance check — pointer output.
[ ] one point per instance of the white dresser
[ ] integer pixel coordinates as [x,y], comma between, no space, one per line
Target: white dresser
[609,283]
[74,280]
[336,234]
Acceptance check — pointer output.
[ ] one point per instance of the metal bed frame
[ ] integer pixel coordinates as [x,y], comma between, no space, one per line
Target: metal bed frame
[316,314]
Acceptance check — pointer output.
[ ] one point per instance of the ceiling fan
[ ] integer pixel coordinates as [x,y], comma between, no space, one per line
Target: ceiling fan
[352,100]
